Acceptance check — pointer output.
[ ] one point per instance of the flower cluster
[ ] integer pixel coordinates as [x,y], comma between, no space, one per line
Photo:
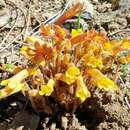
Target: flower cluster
[65,65]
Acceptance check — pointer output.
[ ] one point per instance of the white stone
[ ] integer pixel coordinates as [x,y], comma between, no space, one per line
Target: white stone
[4,17]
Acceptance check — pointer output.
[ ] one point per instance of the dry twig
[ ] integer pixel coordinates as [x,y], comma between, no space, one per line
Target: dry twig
[6,37]
[120,31]
[18,10]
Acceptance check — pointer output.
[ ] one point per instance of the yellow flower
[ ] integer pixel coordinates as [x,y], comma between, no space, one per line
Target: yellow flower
[111,47]
[108,48]
[71,74]
[14,84]
[47,89]
[81,90]
[91,61]
[24,51]
[37,53]
[101,81]
[16,79]
[5,92]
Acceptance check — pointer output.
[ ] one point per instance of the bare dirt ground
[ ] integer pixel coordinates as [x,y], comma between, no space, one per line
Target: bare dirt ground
[104,112]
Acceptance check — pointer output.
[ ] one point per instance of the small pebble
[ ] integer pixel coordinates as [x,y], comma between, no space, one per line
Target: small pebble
[122,22]
[113,26]
[13,104]
[46,120]
[2,3]
[53,126]
[82,128]
[75,121]
[64,122]
[4,17]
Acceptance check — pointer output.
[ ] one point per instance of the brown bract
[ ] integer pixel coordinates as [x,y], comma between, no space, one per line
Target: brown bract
[76,9]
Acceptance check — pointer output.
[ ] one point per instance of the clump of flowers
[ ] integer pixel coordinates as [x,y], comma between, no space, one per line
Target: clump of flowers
[65,65]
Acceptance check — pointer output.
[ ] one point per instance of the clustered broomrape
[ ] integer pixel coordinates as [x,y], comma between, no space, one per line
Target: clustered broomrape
[65,65]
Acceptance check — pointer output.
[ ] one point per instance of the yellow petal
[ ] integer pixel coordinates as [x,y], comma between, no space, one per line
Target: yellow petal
[108,48]
[126,44]
[64,78]
[4,82]
[33,71]
[101,81]
[112,47]
[71,74]
[16,79]
[76,32]
[91,61]
[20,76]
[81,90]
[7,91]
[47,89]
[2,94]
[33,39]
[69,80]
[42,63]
[24,51]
